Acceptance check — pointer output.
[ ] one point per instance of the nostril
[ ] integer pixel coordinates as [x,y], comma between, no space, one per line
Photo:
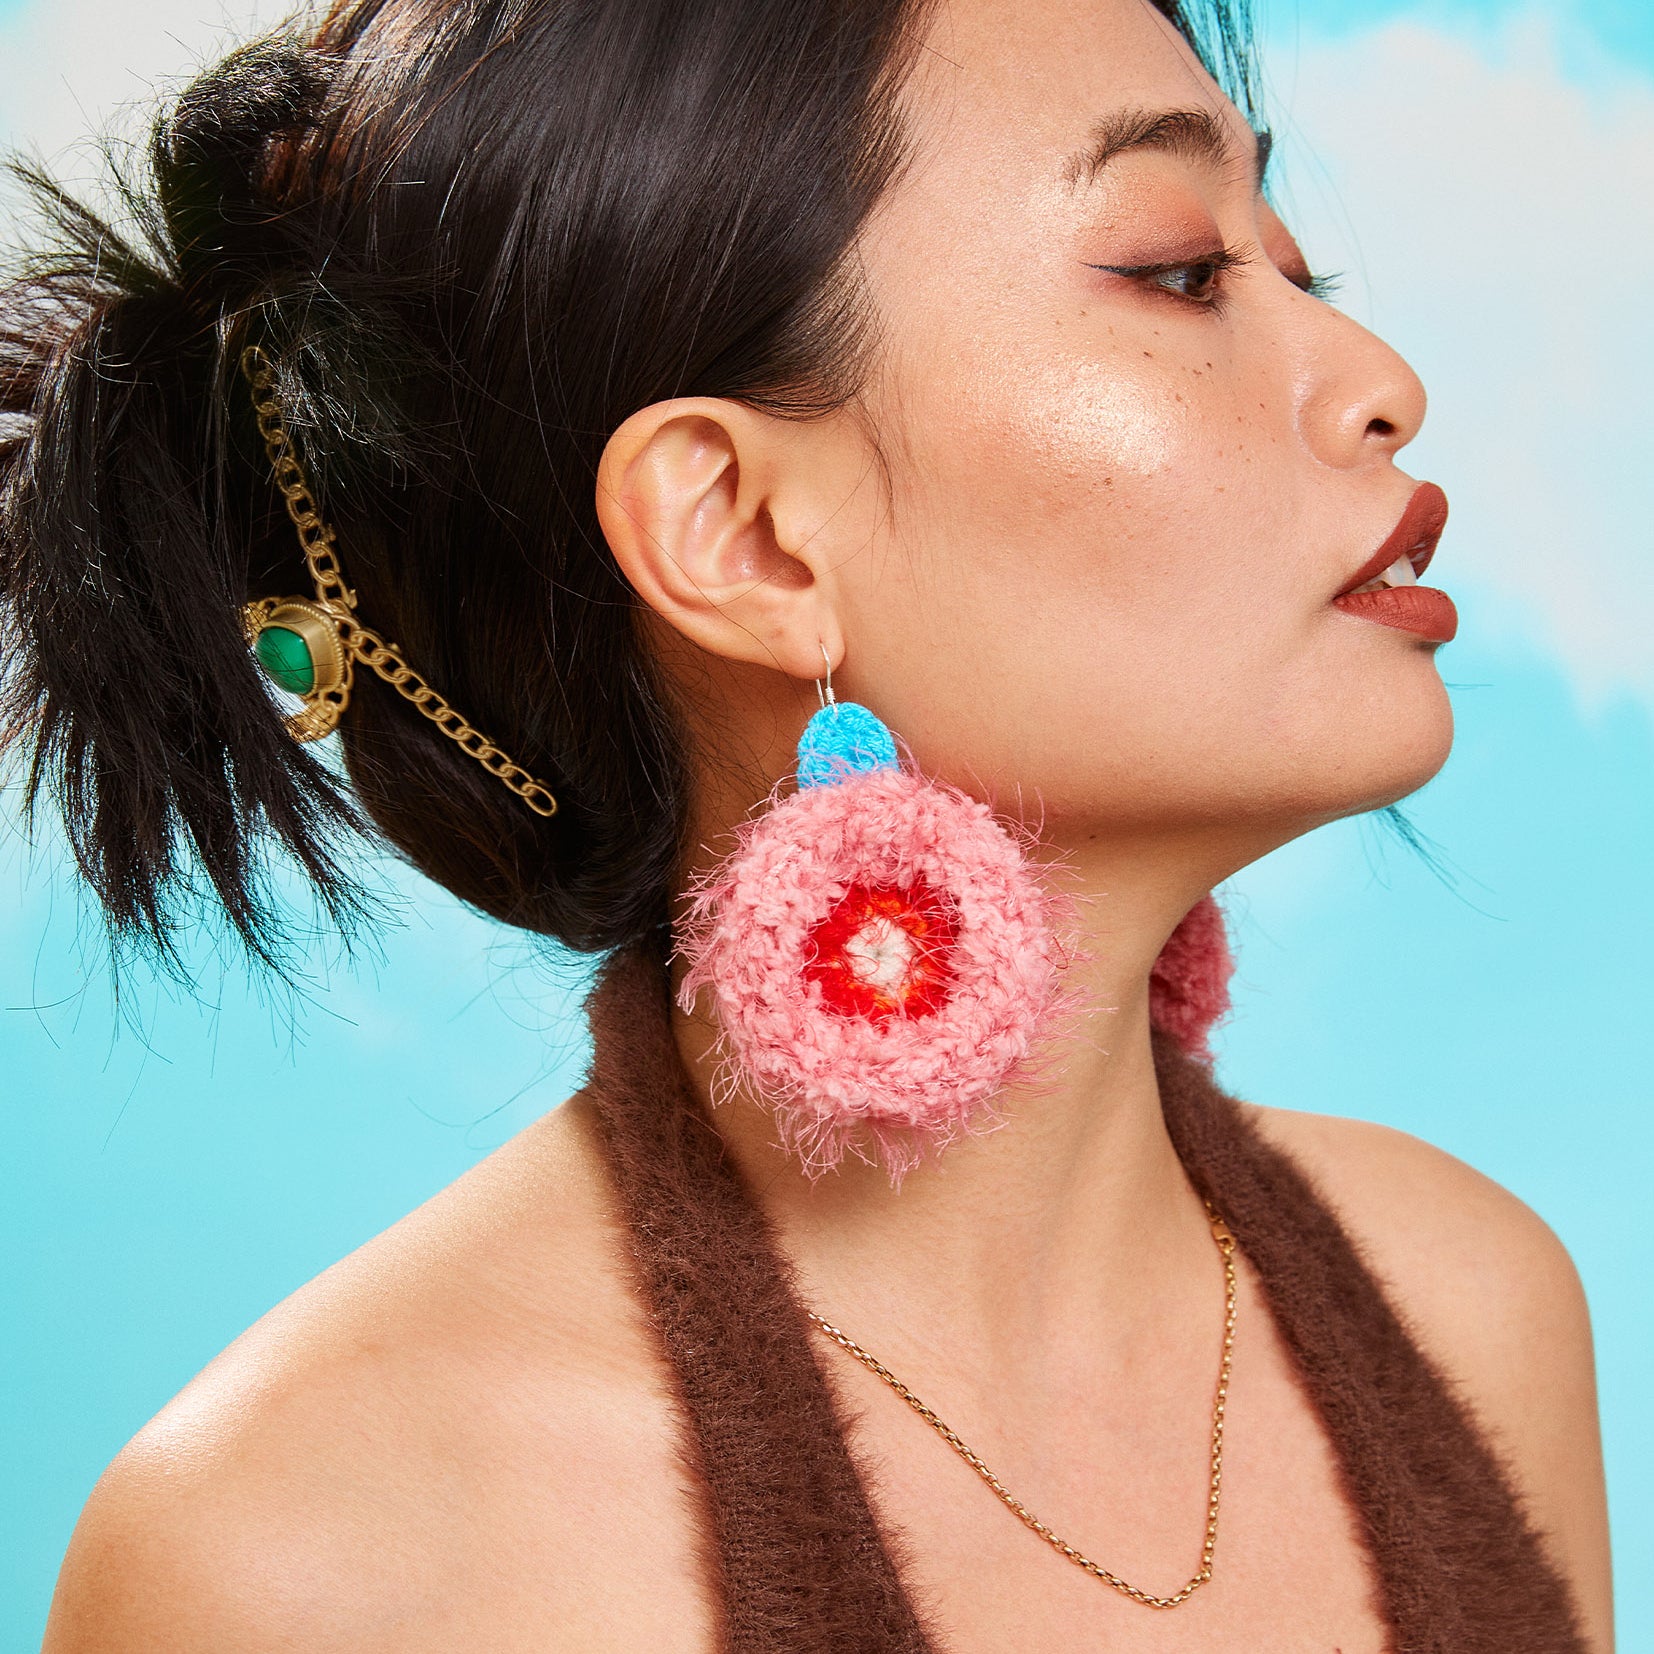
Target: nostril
[1380,428]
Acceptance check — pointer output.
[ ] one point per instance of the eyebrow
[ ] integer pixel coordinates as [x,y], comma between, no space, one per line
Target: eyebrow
[1194,134]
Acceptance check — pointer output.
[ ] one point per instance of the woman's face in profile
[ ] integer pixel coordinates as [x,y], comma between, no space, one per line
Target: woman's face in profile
[1121,503]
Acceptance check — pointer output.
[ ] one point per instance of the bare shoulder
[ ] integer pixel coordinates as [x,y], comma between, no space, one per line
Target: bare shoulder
[390,1459]
[1492,1296]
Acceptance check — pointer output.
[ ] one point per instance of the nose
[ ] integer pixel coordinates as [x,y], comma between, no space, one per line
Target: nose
[1362,404]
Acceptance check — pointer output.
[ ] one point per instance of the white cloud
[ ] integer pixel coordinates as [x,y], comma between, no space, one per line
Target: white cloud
[1502,238]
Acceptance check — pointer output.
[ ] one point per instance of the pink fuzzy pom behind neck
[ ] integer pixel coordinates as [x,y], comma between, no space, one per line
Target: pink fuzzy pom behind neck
[1189,985]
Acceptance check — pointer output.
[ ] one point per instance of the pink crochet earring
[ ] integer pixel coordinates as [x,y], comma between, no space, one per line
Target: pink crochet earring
[882,955]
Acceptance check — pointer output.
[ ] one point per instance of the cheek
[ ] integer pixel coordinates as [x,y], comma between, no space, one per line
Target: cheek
[1062,431]
[1077,532]
[1122,477]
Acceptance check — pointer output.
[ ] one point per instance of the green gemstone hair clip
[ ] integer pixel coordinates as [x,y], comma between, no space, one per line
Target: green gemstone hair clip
[300,646]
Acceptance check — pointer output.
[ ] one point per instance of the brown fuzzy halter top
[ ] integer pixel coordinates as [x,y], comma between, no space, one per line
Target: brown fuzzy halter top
[800,1564]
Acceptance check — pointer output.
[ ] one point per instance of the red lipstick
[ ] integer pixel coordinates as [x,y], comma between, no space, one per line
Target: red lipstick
[1423,610]
[1427,610]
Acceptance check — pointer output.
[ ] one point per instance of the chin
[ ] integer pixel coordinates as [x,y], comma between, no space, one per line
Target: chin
[1408,752]
[1349,759]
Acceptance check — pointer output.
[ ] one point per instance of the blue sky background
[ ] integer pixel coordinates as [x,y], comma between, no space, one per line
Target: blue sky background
[1483,174]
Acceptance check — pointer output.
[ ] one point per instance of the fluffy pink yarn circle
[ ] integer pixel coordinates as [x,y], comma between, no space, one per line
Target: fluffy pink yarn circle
[839,1082]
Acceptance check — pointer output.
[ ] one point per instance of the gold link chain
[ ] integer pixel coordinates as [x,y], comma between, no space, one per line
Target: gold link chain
[1226,1245]
[339,602]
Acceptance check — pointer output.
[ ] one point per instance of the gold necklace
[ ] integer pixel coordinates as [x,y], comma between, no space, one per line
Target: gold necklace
[1226,1245]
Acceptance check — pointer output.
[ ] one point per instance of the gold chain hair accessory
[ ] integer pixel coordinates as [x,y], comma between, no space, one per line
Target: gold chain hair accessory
[1226,1245]
[310,647]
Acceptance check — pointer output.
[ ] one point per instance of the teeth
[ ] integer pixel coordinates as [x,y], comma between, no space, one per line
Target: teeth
[1399,573]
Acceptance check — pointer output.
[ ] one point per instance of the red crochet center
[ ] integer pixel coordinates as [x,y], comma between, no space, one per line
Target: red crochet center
[884,952]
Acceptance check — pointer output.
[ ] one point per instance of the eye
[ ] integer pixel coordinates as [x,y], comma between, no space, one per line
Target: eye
[1197,281]
[1192,281]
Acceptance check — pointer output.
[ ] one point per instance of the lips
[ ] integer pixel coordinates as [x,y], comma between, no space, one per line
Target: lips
[1422,609]
[1385,589]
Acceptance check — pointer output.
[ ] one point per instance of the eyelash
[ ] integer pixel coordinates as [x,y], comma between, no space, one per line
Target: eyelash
[1219,265]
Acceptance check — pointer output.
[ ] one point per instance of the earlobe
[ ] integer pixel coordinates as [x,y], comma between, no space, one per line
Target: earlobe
[686,496]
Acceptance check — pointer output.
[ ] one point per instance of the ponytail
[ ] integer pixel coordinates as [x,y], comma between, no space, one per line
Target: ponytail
[126,687]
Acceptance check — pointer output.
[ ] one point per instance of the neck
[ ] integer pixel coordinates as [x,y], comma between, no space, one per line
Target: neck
[1036,1235]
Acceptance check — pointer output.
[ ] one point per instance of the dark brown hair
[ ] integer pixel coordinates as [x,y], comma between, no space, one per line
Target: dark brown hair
[475,235]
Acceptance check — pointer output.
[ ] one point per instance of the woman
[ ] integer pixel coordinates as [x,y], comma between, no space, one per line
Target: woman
[638,368]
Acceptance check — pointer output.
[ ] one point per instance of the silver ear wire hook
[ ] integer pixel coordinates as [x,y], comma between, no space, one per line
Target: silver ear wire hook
[825,694]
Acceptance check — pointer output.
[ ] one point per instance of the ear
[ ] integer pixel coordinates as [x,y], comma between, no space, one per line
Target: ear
[713,511]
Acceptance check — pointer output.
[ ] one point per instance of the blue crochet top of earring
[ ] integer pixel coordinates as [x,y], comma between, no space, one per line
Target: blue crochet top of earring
[841,740]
